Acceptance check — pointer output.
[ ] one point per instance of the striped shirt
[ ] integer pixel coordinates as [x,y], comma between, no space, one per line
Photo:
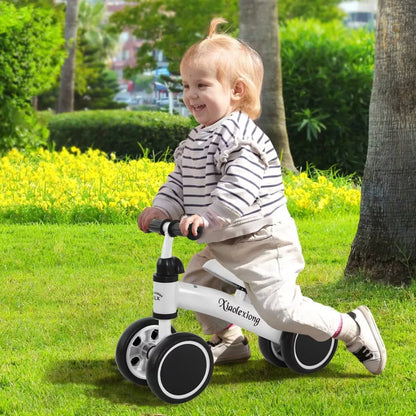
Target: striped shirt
[228,171]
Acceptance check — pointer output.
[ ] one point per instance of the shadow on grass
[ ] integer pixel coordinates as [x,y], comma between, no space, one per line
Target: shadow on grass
[105,380]
[107,383]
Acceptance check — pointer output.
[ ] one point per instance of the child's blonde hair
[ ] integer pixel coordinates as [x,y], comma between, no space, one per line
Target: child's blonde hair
[235,60]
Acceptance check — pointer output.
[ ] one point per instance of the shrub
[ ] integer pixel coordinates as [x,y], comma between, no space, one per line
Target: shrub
[126,133]
[327,74]
[31,55]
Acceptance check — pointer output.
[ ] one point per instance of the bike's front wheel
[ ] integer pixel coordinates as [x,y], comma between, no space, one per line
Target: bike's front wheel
[180,367]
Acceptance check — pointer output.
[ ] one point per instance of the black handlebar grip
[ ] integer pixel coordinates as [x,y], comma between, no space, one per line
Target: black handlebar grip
[174,230]
[192,237]
[156,226]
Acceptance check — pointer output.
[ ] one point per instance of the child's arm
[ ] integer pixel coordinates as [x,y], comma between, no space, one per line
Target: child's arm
[169,198]
[168,203]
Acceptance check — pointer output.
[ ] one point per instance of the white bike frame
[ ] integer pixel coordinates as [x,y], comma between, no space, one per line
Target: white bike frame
[168,297]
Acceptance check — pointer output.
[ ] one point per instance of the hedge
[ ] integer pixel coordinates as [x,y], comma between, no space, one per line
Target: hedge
[127,133]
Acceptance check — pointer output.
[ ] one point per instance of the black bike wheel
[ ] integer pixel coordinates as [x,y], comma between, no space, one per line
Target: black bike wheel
[305,355]
[272,352]
[179,367]
[133,348]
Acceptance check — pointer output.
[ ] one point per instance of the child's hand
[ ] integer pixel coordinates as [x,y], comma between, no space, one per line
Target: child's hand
[149,214]
[196,222]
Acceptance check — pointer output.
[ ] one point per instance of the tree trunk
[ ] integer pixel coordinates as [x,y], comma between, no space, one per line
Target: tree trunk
[66,89]
[259,28]
[384,247]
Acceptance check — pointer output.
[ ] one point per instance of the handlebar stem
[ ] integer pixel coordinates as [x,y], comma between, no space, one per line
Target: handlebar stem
[167,243]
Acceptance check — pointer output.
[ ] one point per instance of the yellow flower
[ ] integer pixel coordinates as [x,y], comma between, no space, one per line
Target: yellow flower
[68,179]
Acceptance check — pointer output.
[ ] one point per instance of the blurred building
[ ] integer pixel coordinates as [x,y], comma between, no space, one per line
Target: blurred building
[125,53]
[360,13]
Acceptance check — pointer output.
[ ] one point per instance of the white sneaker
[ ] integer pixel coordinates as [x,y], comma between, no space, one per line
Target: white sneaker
[235,352]
[368,345]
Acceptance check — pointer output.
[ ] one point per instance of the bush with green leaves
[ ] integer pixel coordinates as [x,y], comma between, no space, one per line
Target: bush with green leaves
[127,133]
[31,56]
[327,74]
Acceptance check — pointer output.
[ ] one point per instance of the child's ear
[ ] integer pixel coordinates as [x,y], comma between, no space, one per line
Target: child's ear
[239,90]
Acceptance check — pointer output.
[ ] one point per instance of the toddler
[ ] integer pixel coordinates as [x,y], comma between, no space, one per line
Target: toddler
[228,180]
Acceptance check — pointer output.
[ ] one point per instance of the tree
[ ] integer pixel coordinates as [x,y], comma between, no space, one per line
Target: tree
[94,85]
[169,26]
[94,31]
[66,90]
[259,27]
[384,247]
[100,84]
[45,4]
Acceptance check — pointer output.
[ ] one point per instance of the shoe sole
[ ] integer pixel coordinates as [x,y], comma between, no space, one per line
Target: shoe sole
[232,361]
[368,316]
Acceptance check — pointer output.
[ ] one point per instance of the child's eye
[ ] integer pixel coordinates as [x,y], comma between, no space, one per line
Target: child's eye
[185,86]
[202,85]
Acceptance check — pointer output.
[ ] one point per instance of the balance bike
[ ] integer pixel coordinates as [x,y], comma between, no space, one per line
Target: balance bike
[178,366]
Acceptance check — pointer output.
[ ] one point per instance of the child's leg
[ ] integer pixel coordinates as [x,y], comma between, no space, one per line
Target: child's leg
[269,262]
[367,344]
[195,273]
[229,346]
[228,343]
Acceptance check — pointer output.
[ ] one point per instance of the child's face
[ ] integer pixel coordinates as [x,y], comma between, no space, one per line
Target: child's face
[204,95]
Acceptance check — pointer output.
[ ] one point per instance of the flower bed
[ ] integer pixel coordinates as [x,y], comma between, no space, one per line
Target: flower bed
[74,187]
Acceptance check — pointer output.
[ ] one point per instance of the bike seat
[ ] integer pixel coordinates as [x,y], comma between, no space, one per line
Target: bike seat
[219,271]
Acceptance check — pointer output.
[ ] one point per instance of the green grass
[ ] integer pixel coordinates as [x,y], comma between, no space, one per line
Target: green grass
[69,291]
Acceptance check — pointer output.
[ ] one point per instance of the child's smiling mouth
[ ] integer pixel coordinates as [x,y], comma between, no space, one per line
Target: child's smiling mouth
[198,108]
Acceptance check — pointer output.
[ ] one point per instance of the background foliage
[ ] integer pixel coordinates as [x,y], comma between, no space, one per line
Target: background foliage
[326,68]
[171,27]
[31,55]
[327,77]
[95,85]
[322,10]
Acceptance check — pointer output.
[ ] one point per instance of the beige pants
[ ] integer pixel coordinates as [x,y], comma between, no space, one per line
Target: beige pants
[268,262]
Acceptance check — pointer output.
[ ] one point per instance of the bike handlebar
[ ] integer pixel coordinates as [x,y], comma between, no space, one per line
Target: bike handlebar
[157,226]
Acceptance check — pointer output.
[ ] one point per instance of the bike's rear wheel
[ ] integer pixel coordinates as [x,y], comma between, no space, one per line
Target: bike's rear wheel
[305,355]
[134,346]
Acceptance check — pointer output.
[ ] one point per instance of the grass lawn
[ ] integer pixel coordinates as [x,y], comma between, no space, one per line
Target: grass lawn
[68,292]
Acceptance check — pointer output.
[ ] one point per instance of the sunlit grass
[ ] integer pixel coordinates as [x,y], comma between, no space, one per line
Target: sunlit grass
[69,291]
